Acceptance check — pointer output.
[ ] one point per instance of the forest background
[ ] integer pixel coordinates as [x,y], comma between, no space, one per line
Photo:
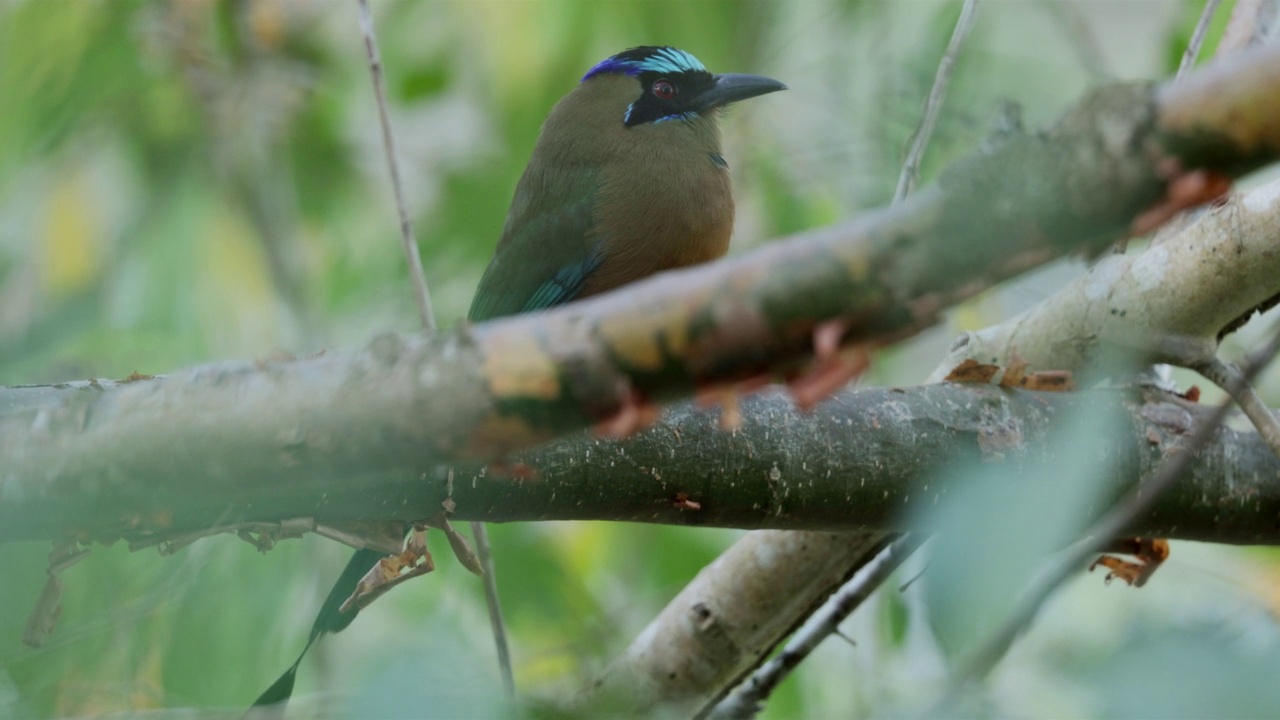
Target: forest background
[184,180]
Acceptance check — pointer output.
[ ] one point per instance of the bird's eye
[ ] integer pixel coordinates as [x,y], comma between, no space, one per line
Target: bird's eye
[664,89]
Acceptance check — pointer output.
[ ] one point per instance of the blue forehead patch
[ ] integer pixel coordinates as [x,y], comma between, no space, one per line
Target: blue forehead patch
[662,60]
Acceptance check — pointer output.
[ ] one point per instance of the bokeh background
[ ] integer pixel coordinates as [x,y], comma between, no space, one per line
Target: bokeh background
[187,180]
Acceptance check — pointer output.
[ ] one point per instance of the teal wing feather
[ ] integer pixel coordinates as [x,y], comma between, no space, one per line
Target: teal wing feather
[565,286]
[548,249]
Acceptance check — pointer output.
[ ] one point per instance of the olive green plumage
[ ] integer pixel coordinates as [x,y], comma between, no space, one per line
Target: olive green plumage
[626,180]
[603,202]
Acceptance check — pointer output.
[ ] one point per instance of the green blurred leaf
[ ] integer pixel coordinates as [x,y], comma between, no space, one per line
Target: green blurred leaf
[423,82]
[895,618]
[998,522]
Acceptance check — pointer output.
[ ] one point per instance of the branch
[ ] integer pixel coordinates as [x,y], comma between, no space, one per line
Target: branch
[745,701]
[410,245]
[722,623]
[1197,281]
[929,119]
[856,462]
[1197,37]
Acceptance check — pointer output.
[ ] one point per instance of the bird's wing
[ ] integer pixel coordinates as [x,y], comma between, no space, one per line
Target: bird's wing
[565,286]
[547,250]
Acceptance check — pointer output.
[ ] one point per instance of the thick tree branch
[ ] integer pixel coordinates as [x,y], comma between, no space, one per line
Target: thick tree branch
[858,461]
[721,624]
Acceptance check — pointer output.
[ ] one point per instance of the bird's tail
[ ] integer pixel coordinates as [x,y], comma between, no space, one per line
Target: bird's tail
[328,620]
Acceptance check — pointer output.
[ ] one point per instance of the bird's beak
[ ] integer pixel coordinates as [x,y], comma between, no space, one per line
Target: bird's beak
[732,87]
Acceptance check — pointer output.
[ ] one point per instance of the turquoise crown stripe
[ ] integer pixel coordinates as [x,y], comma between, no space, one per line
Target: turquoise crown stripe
[664,60]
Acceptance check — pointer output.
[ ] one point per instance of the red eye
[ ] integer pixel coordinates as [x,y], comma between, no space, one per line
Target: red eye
[663,89]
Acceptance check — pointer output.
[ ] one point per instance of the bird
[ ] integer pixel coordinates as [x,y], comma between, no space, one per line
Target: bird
[625,180]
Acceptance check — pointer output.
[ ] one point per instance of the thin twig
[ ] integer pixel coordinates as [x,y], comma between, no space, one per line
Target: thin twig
[1197,37]
[1111,526]
[745,701]
[481,536]
[409,243]
[929,120]
[423,295]
[1227,376]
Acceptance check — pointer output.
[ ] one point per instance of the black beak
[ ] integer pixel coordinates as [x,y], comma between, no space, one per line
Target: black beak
[732,87]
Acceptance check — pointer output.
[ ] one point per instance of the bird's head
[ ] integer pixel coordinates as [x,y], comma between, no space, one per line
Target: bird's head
[673,85]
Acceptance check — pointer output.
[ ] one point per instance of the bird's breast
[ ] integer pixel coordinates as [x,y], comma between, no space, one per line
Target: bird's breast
[662,214]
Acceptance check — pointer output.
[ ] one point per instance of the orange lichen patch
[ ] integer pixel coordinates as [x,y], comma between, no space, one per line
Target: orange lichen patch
[726,396]
[1149,554]
[682,502]
[1015,375]
[515,471]
[1049,381]
[1015,372]
[135,376]
[517,366]
[497,435]
[730,412]
[1192,394]
[635,415]
[971,371]
[833,367]
[1185,190]
[643,340]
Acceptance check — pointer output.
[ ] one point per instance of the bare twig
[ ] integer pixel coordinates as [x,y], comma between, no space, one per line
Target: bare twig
[49,607]
[1108,528]
[423,295]
[911,166]
[1227,376]
[483,551]
[745,701]
[408,241]
[1197,37]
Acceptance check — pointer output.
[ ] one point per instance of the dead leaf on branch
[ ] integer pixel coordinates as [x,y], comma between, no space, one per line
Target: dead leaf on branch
[1015,375]
[1149,553]
[971,371]
[458,542]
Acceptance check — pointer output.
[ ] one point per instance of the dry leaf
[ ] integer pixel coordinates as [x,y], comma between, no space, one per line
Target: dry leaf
[971,371]
[1149,554]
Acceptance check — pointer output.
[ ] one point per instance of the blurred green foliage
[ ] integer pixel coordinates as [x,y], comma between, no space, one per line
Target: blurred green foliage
[184,180]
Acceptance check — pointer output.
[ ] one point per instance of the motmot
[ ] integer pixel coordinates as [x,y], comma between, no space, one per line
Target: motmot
[626,180]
